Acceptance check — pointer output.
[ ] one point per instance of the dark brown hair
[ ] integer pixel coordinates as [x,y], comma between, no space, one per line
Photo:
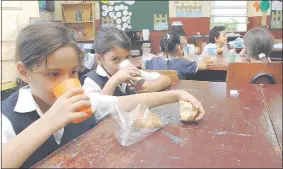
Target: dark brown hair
[257,41]
[169,41]
[214,33]
[37,41]
[108,36]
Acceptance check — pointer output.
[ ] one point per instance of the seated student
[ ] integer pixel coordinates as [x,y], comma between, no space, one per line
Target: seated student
[217,39]
[34,122]
[184,44]
[183,39]
[112,47]
[258,44]
[172,59]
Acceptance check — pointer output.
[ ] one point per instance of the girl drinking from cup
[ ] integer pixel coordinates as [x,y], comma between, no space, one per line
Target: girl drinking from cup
[111,75]
[34,122]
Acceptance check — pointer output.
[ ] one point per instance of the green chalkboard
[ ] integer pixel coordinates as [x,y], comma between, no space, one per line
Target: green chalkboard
[136,15]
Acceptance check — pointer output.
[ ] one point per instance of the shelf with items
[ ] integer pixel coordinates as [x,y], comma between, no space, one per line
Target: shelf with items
[78,22]
[78,18]
[76,3]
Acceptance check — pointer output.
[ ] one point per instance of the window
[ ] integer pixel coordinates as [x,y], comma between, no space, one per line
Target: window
[231,14]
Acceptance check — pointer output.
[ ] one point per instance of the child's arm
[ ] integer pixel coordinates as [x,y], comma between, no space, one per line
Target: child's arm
[154,82]
[129,102]
[201,63]
[159,84]
[107,104]
[16,151]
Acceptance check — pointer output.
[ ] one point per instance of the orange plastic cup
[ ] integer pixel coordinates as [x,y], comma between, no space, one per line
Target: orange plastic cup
[69,84]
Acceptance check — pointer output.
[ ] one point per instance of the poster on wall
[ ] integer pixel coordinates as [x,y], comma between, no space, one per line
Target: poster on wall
[42,5]
[276,15]
[135,15]
[190,9]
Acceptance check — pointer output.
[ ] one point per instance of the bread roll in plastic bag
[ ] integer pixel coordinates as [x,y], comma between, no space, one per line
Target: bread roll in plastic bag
[136,125]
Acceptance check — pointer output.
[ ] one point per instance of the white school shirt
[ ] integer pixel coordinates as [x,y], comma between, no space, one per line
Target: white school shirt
[213,45]
[26,103]
[91,85]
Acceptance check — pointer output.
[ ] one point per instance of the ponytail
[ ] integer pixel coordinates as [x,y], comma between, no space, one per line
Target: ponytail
[263,58]
[169,42]
[166,40]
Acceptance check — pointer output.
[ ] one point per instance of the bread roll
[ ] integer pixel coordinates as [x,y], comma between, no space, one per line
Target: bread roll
[187,112]
[151,121]
[219,50]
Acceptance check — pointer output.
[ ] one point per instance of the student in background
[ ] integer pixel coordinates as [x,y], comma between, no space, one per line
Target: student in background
[183,38]
[188,49]
[258,44]
[183,41]
[112,47]
[218,40]
[172,58]
[34,122]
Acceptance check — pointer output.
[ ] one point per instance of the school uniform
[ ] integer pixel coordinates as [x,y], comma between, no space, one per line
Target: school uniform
[182,66]
[95,81]
[213,45]
[20,110]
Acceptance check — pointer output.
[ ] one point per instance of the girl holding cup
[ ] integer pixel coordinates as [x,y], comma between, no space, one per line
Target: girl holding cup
[35,122]
[113,47]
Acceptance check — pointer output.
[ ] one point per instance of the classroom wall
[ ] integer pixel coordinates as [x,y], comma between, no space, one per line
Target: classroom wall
[15,15]
[46,16]
[191,25]
[254,19]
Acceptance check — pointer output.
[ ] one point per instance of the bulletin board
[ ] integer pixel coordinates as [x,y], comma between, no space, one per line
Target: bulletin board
[188,9]
[276,15]
[136,15]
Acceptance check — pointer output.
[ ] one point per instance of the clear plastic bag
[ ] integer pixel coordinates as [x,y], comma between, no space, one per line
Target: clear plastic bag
[136,125]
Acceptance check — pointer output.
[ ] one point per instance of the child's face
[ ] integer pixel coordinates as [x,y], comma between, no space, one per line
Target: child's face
[110,61]
[179,50]
[222,39]
[60,65]
[183,40]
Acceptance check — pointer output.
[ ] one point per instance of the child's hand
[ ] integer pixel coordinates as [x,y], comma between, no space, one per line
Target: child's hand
[208,59]
[64,110]
[125,74]
[185,96]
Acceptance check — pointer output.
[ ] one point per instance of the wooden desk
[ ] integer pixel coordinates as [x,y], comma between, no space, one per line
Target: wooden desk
[272,95]
[220,63]
[236,132]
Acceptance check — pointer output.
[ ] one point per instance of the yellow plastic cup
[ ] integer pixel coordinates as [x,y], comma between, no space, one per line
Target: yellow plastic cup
[69,84]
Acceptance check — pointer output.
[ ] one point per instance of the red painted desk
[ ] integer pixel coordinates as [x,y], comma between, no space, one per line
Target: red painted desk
[272,95]
[236,132]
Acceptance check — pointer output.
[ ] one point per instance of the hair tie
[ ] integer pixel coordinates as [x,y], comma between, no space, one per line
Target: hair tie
[167,36]
[261,56]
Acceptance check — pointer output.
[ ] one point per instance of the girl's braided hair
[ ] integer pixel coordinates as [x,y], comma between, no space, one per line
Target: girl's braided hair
[169,42]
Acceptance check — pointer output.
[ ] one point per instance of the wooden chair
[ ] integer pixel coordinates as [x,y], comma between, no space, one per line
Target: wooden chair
[173,74]
[245,72]
[263,78]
